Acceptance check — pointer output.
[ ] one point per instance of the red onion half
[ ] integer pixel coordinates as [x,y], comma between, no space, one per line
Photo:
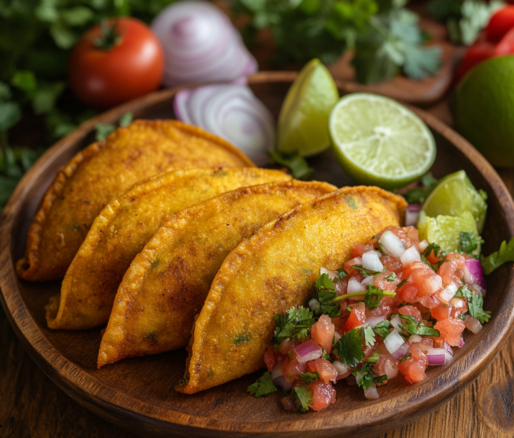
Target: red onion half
[200,45]
[231,112]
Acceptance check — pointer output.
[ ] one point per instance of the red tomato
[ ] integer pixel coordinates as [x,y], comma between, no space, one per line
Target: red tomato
[269,358]
[500,23]
[450,330]
[361,248]
[323,395]
[478,52]
[506,45]
[411,311]
[357,317]
[327,372]
[292,368]
[132,68]
[323,332]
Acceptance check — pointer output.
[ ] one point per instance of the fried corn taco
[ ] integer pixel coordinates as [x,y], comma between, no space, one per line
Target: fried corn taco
[98,173]
[274,270]
[167,282]
[123,228]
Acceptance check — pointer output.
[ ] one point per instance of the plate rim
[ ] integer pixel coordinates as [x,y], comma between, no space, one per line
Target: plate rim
[71,378]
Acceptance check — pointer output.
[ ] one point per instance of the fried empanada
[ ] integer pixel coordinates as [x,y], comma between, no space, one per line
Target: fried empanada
[123,228]
[167,282]
[273,270]
[103,170]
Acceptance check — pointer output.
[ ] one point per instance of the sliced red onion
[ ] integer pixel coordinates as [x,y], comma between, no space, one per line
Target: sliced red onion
[409,256]
[371,261]
[371,393]
[393,341]
[351,380]
[307,351]
[473,324]
[200,45]
[232,112]
[374,320]
[403,351]
[475,269]
[355,285]
[423,245]
[278,378]
[391,244]
[448,348]
[412,214]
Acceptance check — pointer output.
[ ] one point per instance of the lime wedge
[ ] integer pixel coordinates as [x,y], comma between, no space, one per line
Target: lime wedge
[378,141]
[445,230]
[303,120]
[454,195]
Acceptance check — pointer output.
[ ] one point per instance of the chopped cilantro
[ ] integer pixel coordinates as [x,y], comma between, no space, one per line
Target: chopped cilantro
[325,293]
[469,244]
[365,272]
[263,387]
[349,347]
[475,304]
[341,273]
[414,327]
[296,323]
[364,376]
[404,358]
[373,296]
[369,336]
[325,355]
[496,259]
[391,277]
[308,378]
[302,398]
[419,195]
[403,283]
[382,329]
[424,260]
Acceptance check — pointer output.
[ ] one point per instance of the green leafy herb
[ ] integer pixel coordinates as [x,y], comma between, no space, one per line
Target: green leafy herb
[365,272]
[350,347]
[263,387]
[403,283]
[296,323]
[326,356]
[103,130]
[373,296]
[391,277]
[302,398]
[368,336]
[414,327]
[364,377]
[308,378]
[469,244]
[382,329]
[420,194]
[475,304]
[325,293]
[496,259]
[294,162]
[404,358]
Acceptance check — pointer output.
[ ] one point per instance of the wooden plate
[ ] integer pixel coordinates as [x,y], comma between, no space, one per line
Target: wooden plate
[138,395]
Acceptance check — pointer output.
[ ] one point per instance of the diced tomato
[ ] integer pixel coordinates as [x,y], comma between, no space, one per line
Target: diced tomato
[356,318]
[430,301]
[501,22]
[323,395]
[459,306]
[323,332]
[450,330]
[292,368]
[391,264]
[478,52]
[412,311]
[286,345]
[348,266]
[448,270]
[361,248]
[412,370]
[327,372]
[381,282]
[408,292]
[269,358]
[441,312]
[426,343]
[506,45]
[426,280]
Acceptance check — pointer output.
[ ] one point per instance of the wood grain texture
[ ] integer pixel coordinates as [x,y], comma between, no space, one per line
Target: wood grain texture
[143,385]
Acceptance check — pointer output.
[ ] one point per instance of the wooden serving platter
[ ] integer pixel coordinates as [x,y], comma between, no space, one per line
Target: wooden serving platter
[138,395]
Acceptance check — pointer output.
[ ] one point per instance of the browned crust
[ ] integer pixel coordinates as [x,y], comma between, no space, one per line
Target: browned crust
[26,266]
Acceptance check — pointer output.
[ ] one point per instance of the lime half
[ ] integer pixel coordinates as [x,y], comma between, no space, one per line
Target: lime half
[454,195]
[378,141]
[445,230]
[303,120]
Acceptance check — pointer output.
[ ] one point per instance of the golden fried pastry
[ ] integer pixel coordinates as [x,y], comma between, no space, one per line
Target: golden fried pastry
[101,171]
[121,231]
[274,270]
[167,282]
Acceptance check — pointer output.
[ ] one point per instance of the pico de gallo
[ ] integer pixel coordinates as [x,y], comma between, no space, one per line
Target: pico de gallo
[397,307]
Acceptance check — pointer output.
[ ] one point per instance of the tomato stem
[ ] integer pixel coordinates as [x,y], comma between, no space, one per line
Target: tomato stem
[110,35]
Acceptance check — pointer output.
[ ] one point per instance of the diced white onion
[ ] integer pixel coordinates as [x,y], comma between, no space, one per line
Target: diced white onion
[396,321]
[314,305]
[371,393]
[368,280]
[337,336]
[331,274]
[477,289]
[341,367]
[391,369]
[355,285]
[391,244]
[473,324]
[409,256]
[393,341]
[371,261]
[374,320]
[423,245]
[415,338]
[448,292]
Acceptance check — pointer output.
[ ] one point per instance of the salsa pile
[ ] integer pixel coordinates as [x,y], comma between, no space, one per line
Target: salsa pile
[398,306]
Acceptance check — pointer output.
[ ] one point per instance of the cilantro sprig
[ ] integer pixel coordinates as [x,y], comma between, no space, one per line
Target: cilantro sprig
[382,328]
[420,194]
[263,387]
[469,244]
[296,323]
[302,397]
[349,347]
[365,272]
[325,293]
[475,304]
[365,378]
[496,259]
[372,296]
[414,327]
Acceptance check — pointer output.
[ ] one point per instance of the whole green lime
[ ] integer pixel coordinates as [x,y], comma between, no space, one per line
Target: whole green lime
[483,108]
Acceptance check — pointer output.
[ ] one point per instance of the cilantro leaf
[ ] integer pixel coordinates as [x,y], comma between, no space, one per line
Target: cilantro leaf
[308,378]
[296,323]
[382,329]
[365,272]
[391,277]
[406,357]
[324,293]
[403,283]
[469,244]
[302,398]
[421,62]
[420,194]
[350,347]
[475,304]
[414,327]
[373,296]
[369,336]
[294,162]
[364,377]
[263,387]
[496,259]
[326,356]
